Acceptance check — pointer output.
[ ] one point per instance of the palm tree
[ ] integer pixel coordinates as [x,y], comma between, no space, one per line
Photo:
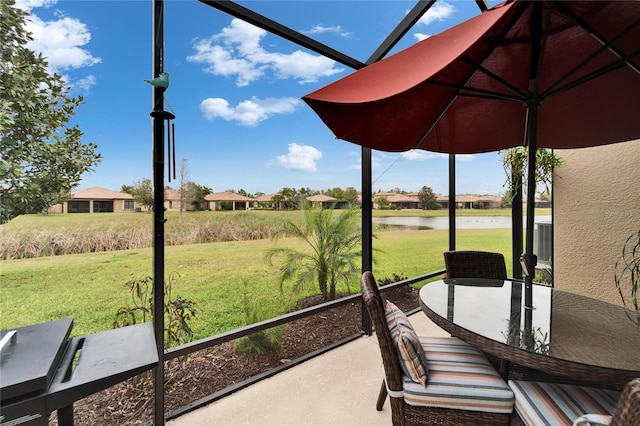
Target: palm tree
[333,243]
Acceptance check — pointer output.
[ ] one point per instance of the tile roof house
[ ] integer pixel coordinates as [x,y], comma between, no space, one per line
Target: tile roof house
[322,200]
[172,200]
[96,200]
[401,201]
[228,201]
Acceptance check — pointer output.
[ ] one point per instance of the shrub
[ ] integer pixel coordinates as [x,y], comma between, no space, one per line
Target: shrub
[260,342]
[178,312]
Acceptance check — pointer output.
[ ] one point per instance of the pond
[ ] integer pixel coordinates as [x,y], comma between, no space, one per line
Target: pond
[442,222]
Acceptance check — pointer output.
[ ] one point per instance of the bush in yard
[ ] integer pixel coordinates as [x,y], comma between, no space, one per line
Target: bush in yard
[333,243]
[262,341]
[178,312]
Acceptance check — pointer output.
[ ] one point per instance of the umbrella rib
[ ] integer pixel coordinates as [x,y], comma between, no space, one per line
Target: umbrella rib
[597,73]
[494,77]
[624,59]
[521,7]
[480,92]
[600,38]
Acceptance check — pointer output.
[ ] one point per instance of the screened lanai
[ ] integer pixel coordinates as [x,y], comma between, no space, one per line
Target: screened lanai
[264,21]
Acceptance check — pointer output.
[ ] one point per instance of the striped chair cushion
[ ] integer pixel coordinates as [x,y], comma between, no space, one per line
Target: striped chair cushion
[410,353]
[592,420]
[460,377]
[552,404]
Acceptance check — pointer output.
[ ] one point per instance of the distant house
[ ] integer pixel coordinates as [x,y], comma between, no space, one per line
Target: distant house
[489,201]
[399,201]
[96,200]
[228,201]
[322,200]
[403,201]
[171,200]
[266,201]
[467,201]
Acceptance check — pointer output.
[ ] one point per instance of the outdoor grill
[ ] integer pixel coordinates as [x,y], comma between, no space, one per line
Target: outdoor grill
[43,370]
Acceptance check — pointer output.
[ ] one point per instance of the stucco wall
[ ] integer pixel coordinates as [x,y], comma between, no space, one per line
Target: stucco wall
[596,208]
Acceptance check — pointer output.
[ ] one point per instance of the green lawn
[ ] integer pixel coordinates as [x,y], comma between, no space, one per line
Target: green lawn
[91,287]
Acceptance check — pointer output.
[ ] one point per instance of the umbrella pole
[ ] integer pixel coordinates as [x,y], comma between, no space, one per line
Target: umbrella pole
[528,259]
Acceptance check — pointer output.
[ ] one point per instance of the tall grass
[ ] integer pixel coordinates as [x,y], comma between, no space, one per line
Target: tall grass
[31,236]
[54,235]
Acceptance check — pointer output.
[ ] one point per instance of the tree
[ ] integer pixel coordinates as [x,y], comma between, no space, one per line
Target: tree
[195,193]
[514,162]
[333,242]
[42,158]
[142,192]
[336,193]
[288,197]
[351,195]
[183,190]
[507,200]
[382,202]
[427,198]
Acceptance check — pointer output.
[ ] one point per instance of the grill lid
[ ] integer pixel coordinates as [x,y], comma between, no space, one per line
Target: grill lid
[30,359]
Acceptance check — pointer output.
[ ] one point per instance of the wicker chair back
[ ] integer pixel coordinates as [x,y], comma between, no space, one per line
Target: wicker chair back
[475,264]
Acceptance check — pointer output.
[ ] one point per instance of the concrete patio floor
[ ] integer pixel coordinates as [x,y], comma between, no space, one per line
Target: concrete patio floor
[339,387]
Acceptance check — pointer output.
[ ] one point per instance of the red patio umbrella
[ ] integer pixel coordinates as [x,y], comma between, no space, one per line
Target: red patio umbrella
[552,74]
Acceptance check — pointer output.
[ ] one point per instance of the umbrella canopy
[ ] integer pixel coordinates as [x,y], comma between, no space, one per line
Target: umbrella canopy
[466,90]
[552,74]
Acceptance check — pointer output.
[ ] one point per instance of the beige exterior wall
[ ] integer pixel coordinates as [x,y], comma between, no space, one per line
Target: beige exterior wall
[596,208]
[118,206]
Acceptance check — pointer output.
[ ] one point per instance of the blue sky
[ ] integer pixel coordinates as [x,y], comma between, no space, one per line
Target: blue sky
[236,92]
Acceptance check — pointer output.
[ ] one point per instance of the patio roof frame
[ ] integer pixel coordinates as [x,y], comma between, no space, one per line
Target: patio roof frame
[250,16]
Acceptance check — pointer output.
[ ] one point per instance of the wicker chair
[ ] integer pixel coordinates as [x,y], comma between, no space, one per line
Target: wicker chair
[475,264]
[403,413]
[626,411]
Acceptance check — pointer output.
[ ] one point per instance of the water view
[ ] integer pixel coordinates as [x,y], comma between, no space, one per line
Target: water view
[442,222]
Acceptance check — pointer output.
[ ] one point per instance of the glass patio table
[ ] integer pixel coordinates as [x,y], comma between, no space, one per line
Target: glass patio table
[565,334]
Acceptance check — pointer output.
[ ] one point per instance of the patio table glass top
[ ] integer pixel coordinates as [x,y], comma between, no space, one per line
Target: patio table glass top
[564,329]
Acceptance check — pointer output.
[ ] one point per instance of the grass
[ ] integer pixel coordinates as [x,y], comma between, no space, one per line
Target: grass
[91,287]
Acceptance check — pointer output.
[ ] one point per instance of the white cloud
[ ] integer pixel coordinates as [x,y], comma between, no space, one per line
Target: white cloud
[465,157]
[237,51]
[85,83]
[375,161]
[31,4]
[320,29]
[421,36]
[440,11]
[300,157]
[250,112]
[421,155]
[60,41]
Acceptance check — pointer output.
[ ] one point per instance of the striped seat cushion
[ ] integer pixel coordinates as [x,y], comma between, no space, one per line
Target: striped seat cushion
[460,377]
[552,404]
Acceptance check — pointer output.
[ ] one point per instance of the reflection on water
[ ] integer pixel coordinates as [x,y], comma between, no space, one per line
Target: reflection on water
[442,222]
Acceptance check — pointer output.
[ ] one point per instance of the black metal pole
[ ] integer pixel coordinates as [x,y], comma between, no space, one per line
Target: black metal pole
[531,204]
[532,137]
[452,201]
[158,210]
[516,221]
[367,227]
